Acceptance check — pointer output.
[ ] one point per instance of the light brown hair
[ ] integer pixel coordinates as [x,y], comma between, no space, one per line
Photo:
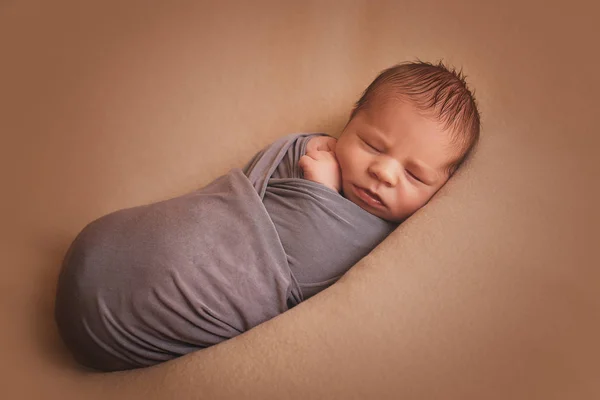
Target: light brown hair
[440,92]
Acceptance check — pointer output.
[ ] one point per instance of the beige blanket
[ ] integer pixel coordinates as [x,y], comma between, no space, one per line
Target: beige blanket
[489,292]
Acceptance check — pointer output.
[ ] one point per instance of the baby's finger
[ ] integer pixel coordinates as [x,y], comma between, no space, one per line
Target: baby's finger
[324,156]
[331,143]
[312,153]
[305,162]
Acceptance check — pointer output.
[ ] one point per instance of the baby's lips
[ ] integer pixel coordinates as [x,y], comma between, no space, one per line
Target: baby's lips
[375,196]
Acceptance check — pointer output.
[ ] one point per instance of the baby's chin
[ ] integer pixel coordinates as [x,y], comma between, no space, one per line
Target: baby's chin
[381,214]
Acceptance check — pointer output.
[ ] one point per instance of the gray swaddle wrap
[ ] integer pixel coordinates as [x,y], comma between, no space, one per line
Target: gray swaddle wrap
[147,284]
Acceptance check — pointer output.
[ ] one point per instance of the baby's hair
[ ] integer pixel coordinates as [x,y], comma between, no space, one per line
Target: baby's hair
[439,92]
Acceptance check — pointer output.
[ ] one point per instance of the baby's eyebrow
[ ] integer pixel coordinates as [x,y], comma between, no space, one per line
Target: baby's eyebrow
[375,134]
[372,130]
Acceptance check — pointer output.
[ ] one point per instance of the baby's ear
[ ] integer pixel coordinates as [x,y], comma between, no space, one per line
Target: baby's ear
[452,169]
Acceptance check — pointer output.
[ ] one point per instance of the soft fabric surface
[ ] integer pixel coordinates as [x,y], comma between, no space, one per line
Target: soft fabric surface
[489,292]
[147,284]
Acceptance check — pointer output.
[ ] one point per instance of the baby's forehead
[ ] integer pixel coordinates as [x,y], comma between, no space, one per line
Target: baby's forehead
[400,121]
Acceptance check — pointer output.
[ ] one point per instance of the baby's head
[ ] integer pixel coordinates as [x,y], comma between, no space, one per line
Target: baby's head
[409,132]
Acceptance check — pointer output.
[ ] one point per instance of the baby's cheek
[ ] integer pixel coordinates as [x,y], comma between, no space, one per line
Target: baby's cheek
[400,201]
[344,189]
[340,166]
[343,164]
[415,201]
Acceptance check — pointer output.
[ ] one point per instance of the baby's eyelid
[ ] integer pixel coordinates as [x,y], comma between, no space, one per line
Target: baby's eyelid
[370,145]
[415,176]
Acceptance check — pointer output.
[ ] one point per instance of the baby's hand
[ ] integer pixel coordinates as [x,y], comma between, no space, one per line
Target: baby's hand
[319,163]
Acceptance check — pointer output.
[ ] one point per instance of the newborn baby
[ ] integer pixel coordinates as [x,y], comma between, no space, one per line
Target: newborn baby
[147,284]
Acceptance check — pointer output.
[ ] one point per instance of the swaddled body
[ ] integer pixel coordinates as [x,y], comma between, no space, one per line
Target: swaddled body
[150,283]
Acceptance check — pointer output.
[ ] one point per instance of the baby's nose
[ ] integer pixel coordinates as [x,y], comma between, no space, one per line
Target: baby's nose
[385,172]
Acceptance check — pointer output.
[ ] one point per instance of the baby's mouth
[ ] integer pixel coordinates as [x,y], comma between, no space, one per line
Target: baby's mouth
[369,197]
[373,195]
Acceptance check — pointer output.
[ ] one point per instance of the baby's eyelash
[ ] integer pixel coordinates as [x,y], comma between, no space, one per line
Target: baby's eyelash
[414,176]
[370,145]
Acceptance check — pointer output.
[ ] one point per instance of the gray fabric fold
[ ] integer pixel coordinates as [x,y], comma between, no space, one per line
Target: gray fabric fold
[147,284]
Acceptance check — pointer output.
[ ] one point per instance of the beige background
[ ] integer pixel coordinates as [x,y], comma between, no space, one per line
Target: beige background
[490,292]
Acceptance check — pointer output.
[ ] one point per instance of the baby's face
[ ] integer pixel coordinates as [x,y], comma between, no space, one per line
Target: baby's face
[392,159]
